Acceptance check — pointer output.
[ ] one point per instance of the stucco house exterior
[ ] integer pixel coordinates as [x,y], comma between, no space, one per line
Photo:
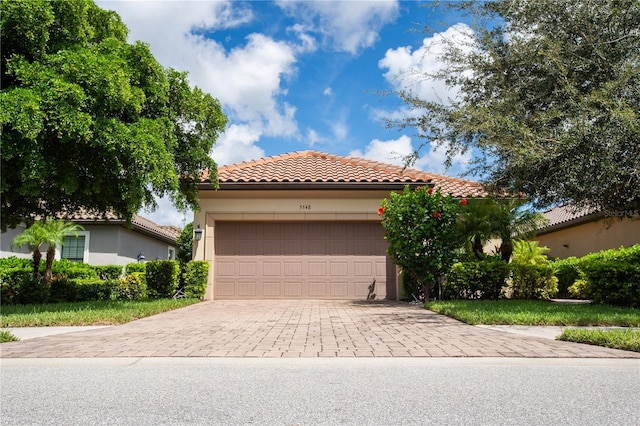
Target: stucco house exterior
[304,225]
[108,241]
[572,232]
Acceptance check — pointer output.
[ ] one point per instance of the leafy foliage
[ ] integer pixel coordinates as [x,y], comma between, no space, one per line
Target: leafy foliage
[185,244]
[92,122]
[420,226]
[195,276]
[131,287]
[483,279]
[547,94]
[162,277]
[108,272]
[532,275]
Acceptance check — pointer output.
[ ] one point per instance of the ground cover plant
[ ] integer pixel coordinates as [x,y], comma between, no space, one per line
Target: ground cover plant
[627,340]
[6,336]
[102,312]
[531,312]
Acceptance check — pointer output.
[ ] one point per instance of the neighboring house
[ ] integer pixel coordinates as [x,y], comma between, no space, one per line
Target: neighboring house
[304,225]
[573,232]
[107,241]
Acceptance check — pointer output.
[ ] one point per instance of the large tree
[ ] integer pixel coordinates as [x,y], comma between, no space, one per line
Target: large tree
[92,122]
[548,96]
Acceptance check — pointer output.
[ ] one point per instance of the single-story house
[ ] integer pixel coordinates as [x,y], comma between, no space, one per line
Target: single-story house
[107,240]
[304,225]
[572,232]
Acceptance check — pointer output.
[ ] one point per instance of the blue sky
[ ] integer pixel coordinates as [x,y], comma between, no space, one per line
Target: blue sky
[299,75]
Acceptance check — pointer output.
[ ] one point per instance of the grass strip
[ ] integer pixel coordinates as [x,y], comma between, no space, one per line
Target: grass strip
[103,312]
[533,312]
[6,336]
[627,340]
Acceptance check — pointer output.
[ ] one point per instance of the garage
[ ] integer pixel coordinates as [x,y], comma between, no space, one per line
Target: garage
[300,260]
[303,225]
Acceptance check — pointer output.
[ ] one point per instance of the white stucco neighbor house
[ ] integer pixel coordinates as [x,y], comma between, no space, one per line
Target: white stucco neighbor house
[304,225]
[107,240]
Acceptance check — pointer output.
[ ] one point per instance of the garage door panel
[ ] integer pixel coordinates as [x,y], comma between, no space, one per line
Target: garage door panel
[339,289]
[317,289]
[272,289]
[323,260]
[293,288]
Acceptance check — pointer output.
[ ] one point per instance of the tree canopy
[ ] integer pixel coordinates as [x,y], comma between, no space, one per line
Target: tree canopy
[91,122]
[548,96]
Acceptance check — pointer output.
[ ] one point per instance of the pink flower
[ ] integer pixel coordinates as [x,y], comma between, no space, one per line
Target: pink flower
[436,214]
[463,201]
[380,211]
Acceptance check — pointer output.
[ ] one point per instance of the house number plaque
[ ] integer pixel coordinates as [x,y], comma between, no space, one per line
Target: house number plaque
[305,206]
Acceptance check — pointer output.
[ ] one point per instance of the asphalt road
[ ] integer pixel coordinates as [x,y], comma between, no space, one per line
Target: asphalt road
[336,391]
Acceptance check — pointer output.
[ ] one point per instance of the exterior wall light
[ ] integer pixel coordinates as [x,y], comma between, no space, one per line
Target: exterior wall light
[197,233]
[141,257]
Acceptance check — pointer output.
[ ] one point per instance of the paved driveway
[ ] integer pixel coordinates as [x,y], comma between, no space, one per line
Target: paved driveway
[270,328]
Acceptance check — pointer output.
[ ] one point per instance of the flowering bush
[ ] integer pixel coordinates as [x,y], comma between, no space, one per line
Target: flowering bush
[420,226]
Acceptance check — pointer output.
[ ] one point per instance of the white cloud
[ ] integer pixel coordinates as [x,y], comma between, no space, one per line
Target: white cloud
[394,151]
[347,26]
[237,144]
[327,91]
[410,70]
[247,80]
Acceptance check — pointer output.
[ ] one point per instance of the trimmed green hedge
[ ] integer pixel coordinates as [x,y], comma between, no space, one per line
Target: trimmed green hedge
[532,282]
[484,279]
[108,272]
[194,277]
[613,282]
[162,277]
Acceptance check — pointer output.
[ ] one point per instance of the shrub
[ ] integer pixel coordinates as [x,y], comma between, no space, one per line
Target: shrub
[11,280]
[94,289]
[579,290]
[613,282]
[108,272]
[195,276]
[16,262]
[483,279]
[63,289]
[134,267]
[533,281]
[131,287]
[73,270]
[567,272]
[162,277]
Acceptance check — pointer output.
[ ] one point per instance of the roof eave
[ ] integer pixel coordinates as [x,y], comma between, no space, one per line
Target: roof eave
[592,217]
[314,185]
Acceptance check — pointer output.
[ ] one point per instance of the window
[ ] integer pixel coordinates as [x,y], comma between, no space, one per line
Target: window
[76,249]
[172,253]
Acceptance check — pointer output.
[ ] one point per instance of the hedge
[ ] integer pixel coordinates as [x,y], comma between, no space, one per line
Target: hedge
[162,277]
[532,281]
[194,277]
[483,279]
[613,282]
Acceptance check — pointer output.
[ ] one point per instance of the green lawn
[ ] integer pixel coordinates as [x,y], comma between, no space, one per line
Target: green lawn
[104,312]
[627,340]
[529,312]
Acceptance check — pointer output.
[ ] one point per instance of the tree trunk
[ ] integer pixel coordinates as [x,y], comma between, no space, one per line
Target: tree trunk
[37,256]
[506,249]
[477,247]
[51,253]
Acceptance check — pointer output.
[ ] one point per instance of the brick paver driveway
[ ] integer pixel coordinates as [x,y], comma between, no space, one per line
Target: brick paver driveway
[310,328]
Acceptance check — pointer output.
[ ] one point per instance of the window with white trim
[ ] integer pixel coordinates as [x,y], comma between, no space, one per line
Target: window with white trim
[172,253]
[76,249]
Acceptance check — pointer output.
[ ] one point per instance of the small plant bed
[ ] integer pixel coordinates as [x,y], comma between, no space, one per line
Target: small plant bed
[6,336]
[627,340]
[531,312]
[103,312]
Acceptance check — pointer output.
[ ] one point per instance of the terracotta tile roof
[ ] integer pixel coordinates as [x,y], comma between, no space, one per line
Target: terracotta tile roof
[166,233]
[314,167]
[567,215]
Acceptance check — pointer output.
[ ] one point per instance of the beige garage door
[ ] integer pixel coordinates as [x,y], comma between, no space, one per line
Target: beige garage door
[300,260]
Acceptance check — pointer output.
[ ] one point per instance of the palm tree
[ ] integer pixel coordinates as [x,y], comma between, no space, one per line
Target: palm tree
[33,237]
[511,219]
[506,219]
[54,233]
